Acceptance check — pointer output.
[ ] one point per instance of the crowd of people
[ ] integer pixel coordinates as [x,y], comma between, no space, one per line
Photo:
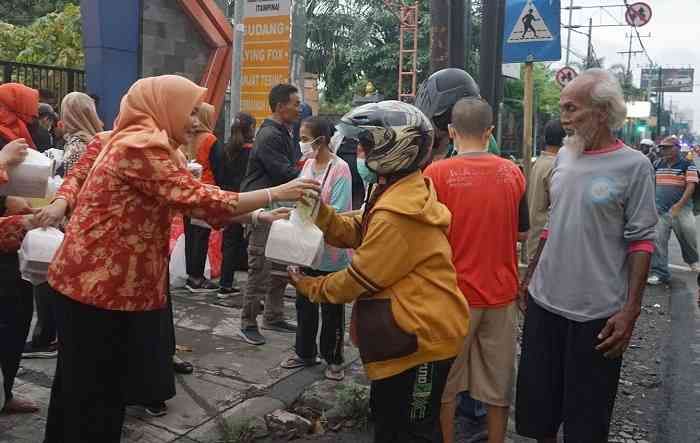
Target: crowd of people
[421,223]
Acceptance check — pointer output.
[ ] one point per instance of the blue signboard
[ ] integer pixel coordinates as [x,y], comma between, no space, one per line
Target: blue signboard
[531,31]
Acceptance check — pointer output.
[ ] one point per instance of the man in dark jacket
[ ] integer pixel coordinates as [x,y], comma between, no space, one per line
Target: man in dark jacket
[272,163]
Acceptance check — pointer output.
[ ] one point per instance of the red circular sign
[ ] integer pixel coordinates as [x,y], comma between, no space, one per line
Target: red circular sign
[565,76]
[638,14]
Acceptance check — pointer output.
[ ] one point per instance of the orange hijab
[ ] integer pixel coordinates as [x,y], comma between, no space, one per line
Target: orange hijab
[19,104]
[204,133]
[155,112]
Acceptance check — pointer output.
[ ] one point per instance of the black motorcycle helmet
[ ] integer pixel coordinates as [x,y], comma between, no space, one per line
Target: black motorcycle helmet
[401,136]
[439,93]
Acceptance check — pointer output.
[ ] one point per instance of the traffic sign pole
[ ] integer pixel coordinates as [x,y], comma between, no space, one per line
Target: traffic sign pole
[528,111]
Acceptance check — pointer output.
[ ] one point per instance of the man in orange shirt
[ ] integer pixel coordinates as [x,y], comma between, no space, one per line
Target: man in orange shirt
[486,195]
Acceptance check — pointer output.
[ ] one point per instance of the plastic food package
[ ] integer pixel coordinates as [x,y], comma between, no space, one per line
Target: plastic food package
[297,242]
[36,253]
[29,178]
[53,185]
[56,155]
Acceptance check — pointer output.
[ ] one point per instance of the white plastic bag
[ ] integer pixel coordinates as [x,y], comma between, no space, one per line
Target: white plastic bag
[29,178]
[296,242]
[56,155]
[36,253]
[53,185]
[178,265]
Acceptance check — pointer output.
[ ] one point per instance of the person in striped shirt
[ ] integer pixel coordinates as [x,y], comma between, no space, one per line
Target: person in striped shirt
[676,179]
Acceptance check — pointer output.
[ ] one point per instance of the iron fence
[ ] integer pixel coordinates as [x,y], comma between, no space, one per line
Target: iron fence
[59,81]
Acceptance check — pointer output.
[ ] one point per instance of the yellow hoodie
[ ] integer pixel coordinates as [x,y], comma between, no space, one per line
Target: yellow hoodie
[409,309]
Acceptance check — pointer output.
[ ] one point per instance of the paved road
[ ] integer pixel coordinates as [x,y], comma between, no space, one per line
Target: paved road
[679,423]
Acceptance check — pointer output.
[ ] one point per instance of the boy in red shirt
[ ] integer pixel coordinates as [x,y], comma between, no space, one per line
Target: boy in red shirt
[486,195]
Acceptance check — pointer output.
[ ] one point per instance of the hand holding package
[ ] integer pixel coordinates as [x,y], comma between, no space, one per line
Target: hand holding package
[29,178]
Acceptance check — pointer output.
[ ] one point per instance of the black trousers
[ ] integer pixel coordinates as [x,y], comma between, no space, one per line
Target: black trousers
[196,248]
[406,407]
[562,378]
[234,250]
[102,356]
[15,320]
[45,327]
[332,328]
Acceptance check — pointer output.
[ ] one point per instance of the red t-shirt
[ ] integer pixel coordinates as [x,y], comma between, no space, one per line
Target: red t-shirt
[484,193]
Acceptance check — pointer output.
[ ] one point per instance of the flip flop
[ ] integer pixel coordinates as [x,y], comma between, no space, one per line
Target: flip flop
[295,362]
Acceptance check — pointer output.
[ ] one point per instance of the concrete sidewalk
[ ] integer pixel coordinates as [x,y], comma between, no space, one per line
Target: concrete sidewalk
[231,378]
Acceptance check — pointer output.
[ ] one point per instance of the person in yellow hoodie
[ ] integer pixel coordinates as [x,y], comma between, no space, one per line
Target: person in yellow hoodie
[410,318]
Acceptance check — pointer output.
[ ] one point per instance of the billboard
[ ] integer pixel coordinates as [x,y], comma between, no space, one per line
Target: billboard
[673,80]
[265,53]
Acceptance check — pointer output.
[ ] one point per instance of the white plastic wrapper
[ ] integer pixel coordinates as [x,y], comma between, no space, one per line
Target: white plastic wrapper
[29,178]
[36,253]
[53,185]
[178,266]
[296,242]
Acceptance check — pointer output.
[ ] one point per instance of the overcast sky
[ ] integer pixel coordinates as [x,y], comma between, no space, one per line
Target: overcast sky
[674,42]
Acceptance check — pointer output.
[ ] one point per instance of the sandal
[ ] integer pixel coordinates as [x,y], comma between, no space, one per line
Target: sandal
[334,373]
[295,362]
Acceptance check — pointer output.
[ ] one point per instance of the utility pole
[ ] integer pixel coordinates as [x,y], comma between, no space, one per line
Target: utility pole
[568,35]
[528,110]
[439,35]
[457,54]
[467,32]
[491,52]
[237,57]
[589,56]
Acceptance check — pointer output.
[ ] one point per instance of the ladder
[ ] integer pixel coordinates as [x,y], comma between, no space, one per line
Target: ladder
[408,48]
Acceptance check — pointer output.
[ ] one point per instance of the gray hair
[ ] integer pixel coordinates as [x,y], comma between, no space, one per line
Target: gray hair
[607,94]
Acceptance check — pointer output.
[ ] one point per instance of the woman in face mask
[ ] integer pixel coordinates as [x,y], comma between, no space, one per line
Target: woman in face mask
[319,143]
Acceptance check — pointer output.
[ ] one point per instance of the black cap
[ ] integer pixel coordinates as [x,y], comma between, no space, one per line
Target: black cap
[45,110]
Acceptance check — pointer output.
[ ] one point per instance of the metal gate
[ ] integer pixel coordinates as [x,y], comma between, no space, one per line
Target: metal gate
[59,81]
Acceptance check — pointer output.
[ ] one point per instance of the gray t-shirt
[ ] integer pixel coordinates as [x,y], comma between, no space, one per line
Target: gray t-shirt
[602,203]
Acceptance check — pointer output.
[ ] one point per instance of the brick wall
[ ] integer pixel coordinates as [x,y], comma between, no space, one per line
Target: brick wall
[171,43]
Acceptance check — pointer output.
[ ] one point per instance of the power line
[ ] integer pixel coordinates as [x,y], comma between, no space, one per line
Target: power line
[639,38]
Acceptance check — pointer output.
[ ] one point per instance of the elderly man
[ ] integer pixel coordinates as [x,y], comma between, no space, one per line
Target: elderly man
[676,179]
[586,292]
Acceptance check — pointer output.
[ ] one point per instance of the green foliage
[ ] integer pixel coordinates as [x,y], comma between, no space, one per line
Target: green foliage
[24,12]
[353,402]
[547,91]
[242,431]
[54,39]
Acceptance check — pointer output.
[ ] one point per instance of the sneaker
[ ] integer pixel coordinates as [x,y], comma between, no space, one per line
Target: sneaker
[654,280]
[156,409]
[227,292]
[695,267]
[252,335]
[50,351]
[280,326]
[202,286]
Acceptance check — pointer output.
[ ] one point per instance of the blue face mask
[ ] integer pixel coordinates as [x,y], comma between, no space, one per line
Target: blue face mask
[368,176]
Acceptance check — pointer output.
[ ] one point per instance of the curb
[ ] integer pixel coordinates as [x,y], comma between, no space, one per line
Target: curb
[280,395]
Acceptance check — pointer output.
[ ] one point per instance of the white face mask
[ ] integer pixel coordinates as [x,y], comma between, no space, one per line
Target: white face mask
[307,149]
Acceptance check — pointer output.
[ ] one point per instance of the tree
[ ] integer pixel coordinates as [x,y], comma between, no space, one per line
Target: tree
[54,39]
[24,12]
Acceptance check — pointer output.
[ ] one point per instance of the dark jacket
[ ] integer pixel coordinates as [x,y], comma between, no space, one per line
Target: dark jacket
[273,158]
[229,172]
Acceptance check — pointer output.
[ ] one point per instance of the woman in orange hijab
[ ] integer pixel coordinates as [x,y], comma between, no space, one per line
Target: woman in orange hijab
[18,107]
[110,273]
[196,236]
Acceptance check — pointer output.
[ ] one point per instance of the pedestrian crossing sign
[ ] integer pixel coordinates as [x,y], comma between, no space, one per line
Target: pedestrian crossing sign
[531,31]
[530,27]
